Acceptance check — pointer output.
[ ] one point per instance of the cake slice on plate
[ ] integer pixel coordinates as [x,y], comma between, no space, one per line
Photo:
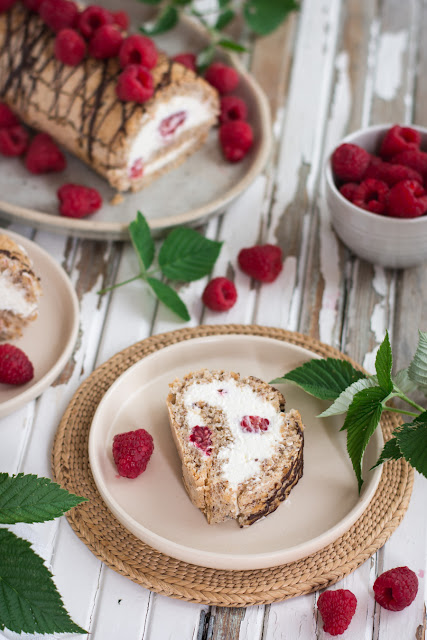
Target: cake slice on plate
[241,454]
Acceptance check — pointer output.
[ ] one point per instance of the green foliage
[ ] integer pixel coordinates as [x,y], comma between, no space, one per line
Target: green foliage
[264,16]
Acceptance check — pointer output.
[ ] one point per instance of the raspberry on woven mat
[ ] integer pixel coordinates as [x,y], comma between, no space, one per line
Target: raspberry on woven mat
[407,199]
[15,366]
[131,452]
[396,589]
[372,195]
[220,294]
[349,162]
[261,262]
[337,609]
[399,139]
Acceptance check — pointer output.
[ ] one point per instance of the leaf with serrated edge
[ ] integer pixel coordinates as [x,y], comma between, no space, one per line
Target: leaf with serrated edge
[27,498]
[142,241]
[390,451]
[186,255]
[169,297]
[403,382]
[383,364]
[412,440]
[344,400]
[324,379]
[417,370]
[264,17]
[29,599]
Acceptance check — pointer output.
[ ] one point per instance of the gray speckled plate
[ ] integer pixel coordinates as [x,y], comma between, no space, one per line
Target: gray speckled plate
[204,185]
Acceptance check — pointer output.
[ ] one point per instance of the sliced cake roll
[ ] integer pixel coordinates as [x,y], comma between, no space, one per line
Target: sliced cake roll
[129,144]
[19,289]
[241,454]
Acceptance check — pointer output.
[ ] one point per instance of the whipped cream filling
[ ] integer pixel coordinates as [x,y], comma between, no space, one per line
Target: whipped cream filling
[13,298]
[155,165]
[240,459]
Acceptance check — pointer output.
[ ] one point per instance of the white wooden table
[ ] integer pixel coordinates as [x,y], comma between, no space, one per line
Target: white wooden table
[336,66]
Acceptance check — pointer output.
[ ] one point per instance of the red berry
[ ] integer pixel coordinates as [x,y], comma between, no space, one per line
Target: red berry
[396,589]
[390,173]
[59,14]
[137,169]
[254,424]
[121,19]
[105,42]
[135,84]
[70,48]
[187,60]
[201,437]
[220,294]
[44,156]
[236,138]
[15,367]
[140,50]
[77,201]
[7,117]
[372,195]
[5,5]
[337,609]
[222,77]
[261,262]
[169,125]
[232,108]
[399,139]
[13,141]
[132,451]
[349,162]
[32,5]
[413,158]
[91,19]
[407,199]
[349,190]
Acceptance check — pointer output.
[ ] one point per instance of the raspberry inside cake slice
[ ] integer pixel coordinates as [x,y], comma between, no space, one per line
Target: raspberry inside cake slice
[241,454]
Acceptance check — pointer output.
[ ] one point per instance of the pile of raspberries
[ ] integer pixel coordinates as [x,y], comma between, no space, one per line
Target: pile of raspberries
[391,183]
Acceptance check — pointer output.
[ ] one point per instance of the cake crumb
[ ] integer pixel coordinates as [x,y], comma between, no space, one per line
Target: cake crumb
[118,198]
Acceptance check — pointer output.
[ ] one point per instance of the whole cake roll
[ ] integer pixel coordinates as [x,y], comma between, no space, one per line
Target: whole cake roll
[130,144]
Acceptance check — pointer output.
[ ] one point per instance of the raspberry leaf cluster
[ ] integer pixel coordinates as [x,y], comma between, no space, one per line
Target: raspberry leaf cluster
[29,599]
[363,398]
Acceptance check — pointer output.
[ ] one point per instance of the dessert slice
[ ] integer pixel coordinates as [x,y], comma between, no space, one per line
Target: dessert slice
[241,454]
[19,289]
[129,144]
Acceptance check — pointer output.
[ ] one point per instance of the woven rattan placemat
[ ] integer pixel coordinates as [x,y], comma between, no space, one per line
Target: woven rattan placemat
[126,554]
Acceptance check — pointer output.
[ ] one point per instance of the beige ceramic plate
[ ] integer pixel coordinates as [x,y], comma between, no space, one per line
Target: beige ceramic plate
[49,340]
[155,506]
[204,185]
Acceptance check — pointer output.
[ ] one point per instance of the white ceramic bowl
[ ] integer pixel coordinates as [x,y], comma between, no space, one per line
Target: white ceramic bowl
[390,242]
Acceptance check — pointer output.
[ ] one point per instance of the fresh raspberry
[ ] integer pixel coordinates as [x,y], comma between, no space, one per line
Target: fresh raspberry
[43,156]
[77,201]
[137,169]
[349,190]
[5,5]
[70,48]
[7,117]
[59,14]
[169,125]
[396,589]
[222,77]
[413,158]
[91,19]
[390,173]
[187,60]
[372,195]
[254,424]
[13,141]
[399,139]
[15,367]
[407,199]
[232,108]
[121,19]
[105,42]
[262,262]
[131,452]
[201,437]
[349,162]
[337,609]
[220,294]
[236,138]
[32,5]
[138,49]
[135,84]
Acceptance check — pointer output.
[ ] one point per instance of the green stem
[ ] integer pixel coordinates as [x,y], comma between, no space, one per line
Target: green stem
[120,284]
[409,401]
[406,413]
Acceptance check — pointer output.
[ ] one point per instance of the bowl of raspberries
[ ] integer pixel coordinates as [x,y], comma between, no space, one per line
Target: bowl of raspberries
[376,191]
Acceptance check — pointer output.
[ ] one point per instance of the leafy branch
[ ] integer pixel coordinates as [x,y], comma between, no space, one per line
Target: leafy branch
[364,398]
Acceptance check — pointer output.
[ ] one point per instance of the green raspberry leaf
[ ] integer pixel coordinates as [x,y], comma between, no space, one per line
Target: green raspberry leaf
[232,45]
[417,370]
[142,241]
[205,58]
[186,255]
[264,17]
[344,400]
[224,18]
[390,451]
[412,440]
[167,19]
[383,365]
[153,2]
[325,379]
[27,498]
[169,297]
[402,382]
[29,600]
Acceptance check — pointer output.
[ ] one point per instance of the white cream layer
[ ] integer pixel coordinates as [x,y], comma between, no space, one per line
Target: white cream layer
[155,165]
[242,458]
[12,298]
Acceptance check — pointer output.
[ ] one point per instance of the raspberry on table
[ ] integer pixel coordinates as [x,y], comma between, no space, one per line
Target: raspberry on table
[70,48]
[138,50]
[413,158]
[261,262]
[135,84]
[15,366]
[13,141]
[337,609]
[222,77]
[220,294]
[396,589]
[187,60]
[232,108]
[407,199]
[44,156]
[91,19]
[349,190]
[131,452]
[236,138]
[201,437]
[390,173]
[254,424]
[77,201]
[372,195]
[59,14]
[7,117]
[105,42]
[121,19]
[5,5]
[399,139]
[349,162]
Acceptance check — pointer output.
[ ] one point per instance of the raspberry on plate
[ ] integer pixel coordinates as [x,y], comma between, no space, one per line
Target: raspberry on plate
[77,201]
[59,14]
[396,589]
[44,156]
[407,199]
[187,60]
[349,162]
[105,42]
[5,5]
[337,609]
[7,117]
[372,195]
[399,139]
[261,262]
[220,294]
[135,84]
[131,452]
[15,366]
[236,138]
[91,19]
[138,50]
[70,48]
[222,77]
[232,108]
[13,141]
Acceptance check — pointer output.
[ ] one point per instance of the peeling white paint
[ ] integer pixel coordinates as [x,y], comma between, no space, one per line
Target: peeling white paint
[388,77]
[378,318]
